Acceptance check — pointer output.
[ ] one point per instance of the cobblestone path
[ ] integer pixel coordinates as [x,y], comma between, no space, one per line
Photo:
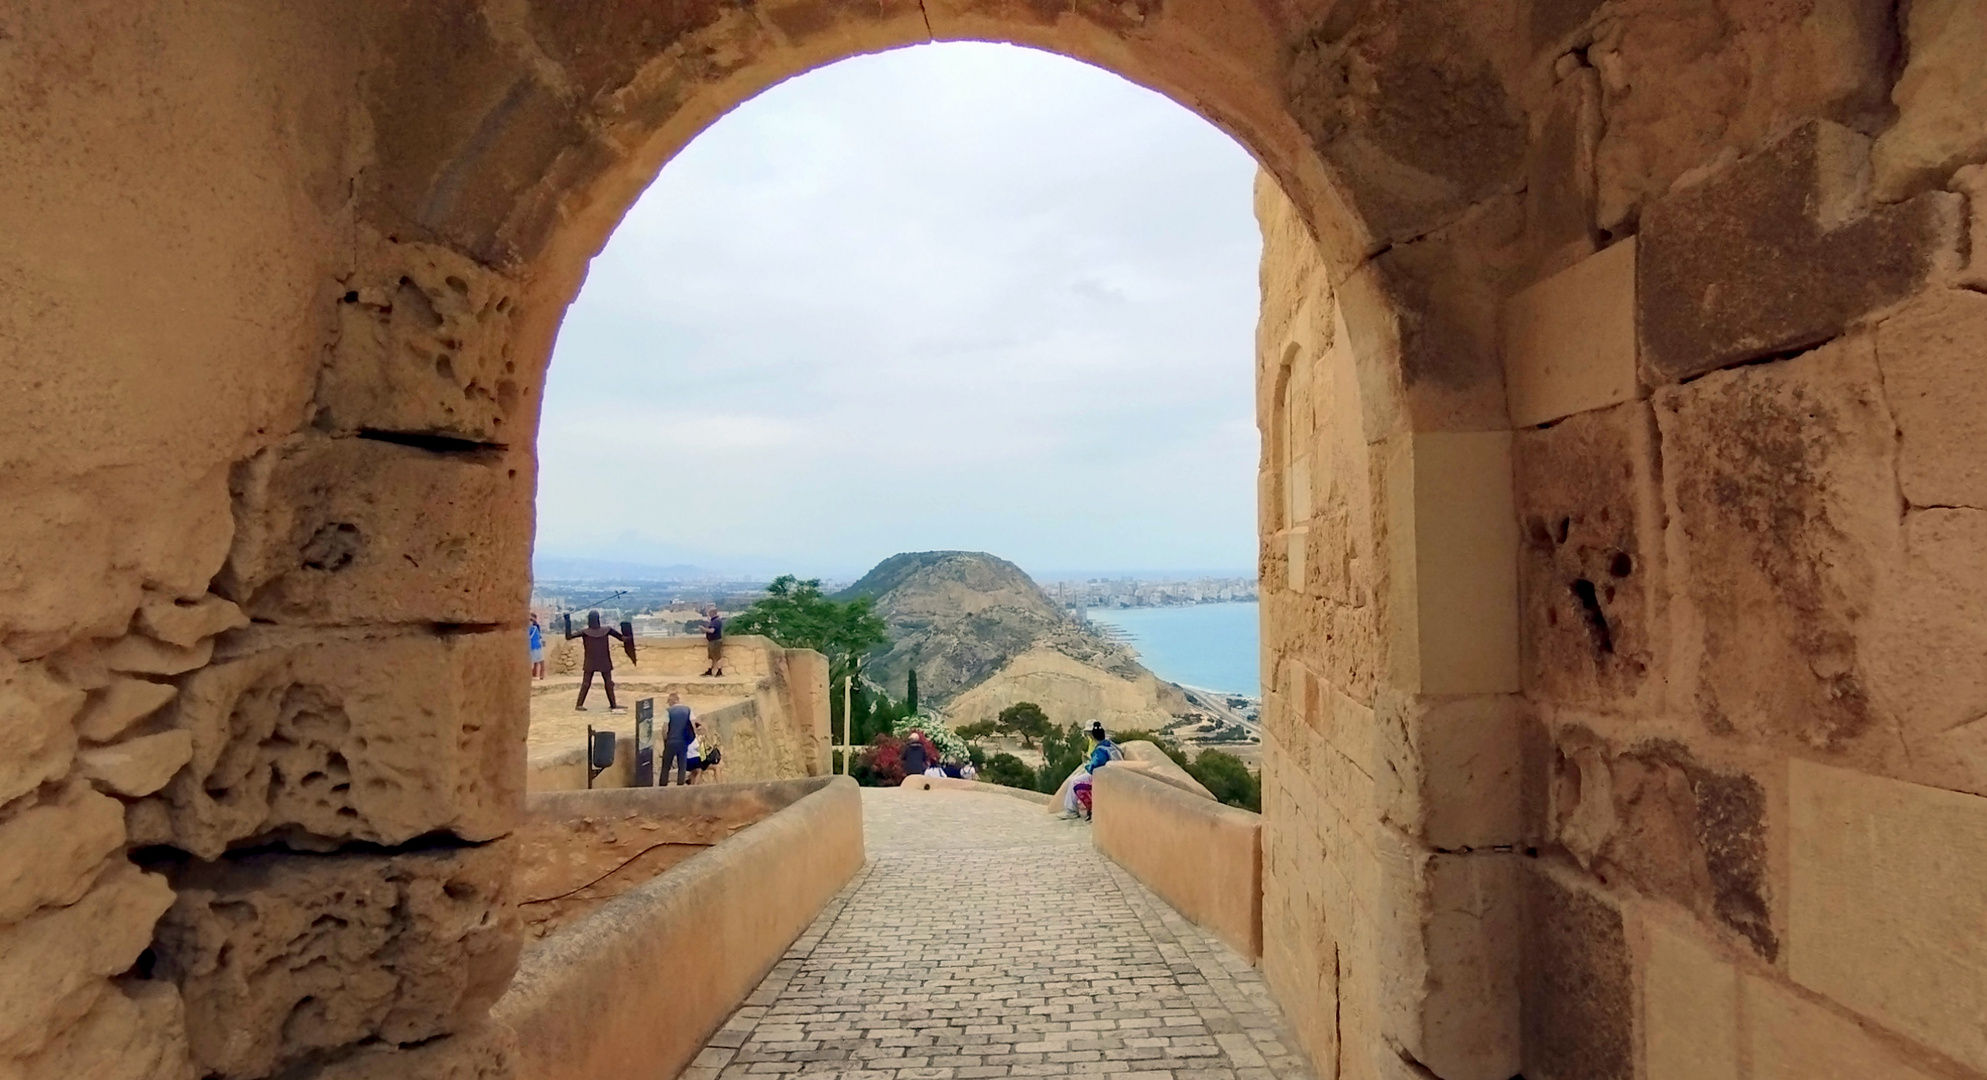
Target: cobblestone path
[987,938]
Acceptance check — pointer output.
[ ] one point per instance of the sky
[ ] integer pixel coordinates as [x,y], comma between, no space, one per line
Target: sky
[953,296]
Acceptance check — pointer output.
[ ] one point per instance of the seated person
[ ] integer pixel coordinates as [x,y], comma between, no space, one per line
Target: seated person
[1102,752]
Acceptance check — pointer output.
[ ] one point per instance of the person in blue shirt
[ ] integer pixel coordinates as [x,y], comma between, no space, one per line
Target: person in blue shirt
[676,742]
[1102,751]
[714,641]
[536,638]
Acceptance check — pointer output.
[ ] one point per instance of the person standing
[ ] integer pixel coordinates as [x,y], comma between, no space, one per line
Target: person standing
[714,640]
[913,756]
[535,637]
[676,739]
[597,657]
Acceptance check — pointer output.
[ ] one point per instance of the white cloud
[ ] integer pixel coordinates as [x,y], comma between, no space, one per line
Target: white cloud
[958,295]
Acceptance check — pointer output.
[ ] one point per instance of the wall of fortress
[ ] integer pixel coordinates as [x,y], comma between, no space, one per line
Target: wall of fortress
[1652,703]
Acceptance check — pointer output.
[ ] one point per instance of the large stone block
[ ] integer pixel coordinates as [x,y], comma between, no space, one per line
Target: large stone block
[1654,818]
[424,346]
[36,742]
[1452,542]
[1933,354]
[136,1031]
[344,531]
[1578,993]
[1782,506]
[52,850]
[1795,1039]
[1447,954]
[1559,164]
[1569,341]
[1887,897]
[457,147]
[53,965]
[1923,646]
[1775,254]
[282,956]
[1450,771]
[324,739]
[1590,570]
[1940,125]
[80,554]
[1690,1009]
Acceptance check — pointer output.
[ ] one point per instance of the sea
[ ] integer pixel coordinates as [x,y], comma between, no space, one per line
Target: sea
[1211,646]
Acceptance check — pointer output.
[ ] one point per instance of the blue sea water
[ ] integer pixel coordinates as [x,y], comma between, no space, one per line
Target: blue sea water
[1207,645]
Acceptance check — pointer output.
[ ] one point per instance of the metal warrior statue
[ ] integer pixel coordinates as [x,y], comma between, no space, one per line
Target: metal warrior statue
[597,655]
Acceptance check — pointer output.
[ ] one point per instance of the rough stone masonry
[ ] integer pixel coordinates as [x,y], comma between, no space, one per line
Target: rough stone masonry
[1623,505]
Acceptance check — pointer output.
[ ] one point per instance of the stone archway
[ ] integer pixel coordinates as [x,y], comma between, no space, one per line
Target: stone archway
[283,282]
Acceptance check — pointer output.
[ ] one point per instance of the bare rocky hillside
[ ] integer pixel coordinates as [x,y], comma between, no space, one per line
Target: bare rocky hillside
[960,617]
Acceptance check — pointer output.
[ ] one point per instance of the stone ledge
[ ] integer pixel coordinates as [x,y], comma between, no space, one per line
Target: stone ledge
[1203,858]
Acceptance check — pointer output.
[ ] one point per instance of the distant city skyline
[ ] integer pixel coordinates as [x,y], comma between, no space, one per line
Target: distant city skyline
[956,296]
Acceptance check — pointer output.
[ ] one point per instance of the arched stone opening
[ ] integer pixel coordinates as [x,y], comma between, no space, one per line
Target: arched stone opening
[1642,335]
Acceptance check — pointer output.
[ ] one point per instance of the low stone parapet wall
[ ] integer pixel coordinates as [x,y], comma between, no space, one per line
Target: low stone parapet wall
[565,770]
[1203,858]
[578,850]
[635,987]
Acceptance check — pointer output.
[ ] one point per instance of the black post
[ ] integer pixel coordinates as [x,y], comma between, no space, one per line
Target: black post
[645,742]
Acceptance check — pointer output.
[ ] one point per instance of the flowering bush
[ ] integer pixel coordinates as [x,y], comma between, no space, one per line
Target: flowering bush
[881,764]
[950,746]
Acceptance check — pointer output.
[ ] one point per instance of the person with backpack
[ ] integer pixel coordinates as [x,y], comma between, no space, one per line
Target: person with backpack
[1102,752]
[676,741]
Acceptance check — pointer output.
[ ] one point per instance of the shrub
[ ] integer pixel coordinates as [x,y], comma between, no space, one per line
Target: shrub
[1228,779]
[950,746]
[881,764]
[1062,751]
[1008,771]
[981,730]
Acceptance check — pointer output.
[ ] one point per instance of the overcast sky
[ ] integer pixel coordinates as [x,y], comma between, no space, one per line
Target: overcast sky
[954,296]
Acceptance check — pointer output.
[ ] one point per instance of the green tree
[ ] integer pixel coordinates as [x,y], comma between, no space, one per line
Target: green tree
[979,729]
[1062,751]
[1025,719]
[911,693]
[795,613]
[1008,771]
[1228,779]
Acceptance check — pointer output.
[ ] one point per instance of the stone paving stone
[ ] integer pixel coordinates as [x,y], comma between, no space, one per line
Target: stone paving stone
[988,939]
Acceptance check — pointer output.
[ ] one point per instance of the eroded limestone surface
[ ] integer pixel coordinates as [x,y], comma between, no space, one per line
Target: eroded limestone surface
[280,958]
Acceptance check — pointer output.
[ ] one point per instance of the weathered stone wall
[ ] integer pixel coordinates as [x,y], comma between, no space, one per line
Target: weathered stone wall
[1621,468]
[1649,702]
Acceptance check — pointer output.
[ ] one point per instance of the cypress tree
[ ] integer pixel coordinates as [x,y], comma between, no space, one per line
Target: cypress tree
[911,693]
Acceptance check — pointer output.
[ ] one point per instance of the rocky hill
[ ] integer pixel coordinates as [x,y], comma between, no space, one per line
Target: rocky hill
[980,632]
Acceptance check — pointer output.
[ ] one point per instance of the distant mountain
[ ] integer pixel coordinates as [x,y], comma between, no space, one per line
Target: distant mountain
[567,568]
[960,617]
